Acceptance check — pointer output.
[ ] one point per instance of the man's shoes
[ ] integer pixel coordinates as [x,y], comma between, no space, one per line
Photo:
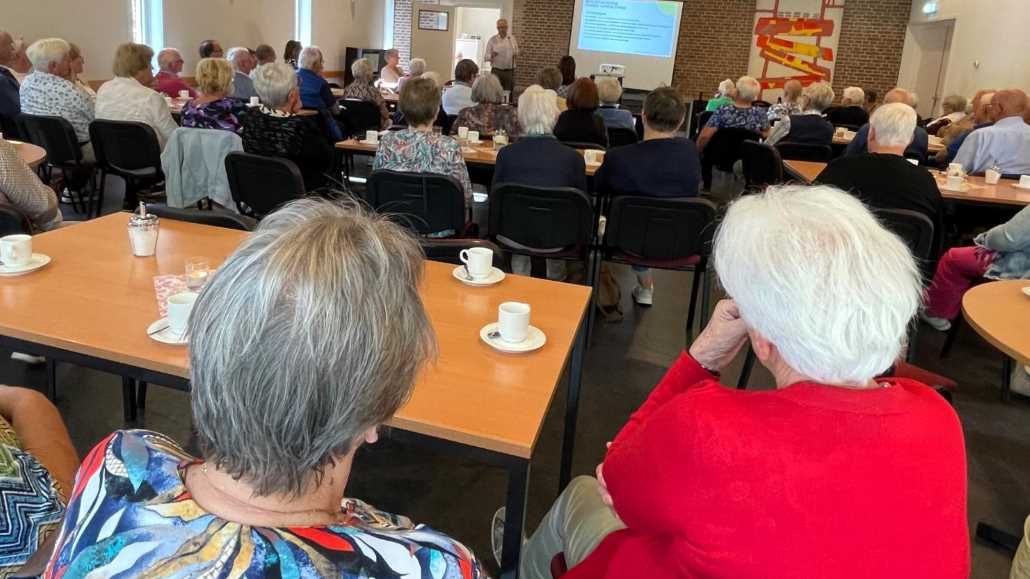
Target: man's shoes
[643,296]
[28,358]
[939,324]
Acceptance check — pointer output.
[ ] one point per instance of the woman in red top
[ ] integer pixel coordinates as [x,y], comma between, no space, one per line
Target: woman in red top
[835,473]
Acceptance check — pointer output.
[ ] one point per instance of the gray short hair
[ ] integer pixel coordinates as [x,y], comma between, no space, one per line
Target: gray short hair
[433,76]
[956,102]
[748,88]
[44,51]
[362,70]
[819,96]
[273,82]
[727,87]
[813,271]
[167,56]
[236,52]
[538,110]
[311,333]
[608,90]
[894,124]
[416,66]
[852,95]
[487,89]
[309,56]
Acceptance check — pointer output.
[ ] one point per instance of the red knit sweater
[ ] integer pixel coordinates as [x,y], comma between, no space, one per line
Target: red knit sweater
[805,481]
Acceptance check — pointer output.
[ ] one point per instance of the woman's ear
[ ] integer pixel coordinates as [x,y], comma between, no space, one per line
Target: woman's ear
[762,347]
[372,435]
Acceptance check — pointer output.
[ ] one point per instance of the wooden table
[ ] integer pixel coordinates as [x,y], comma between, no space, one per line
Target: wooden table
[33,155]
[806,171]
[91,306]
[934,146]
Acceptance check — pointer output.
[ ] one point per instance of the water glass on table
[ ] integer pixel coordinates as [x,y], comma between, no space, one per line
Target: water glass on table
[197,270]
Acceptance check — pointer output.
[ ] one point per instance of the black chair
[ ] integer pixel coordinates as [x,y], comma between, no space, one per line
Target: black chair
[358,117]
[762,165]
[449,250]
[805,152]
[662,233]
[702,120]
[214,218]
[581,145]
[723,150]
[761,104]
[13,221]
[619,136]
[448,123]
[425,202]
[56,135]
[129,150]
[259,184]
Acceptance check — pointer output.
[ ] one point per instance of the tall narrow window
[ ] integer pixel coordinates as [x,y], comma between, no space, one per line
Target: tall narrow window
[388,25]
[302,26]
[148,23]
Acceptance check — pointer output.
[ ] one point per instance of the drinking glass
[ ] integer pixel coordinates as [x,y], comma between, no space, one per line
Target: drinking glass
[197,270]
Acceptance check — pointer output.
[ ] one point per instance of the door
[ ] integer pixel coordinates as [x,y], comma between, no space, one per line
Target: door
[430,41]
[933,42]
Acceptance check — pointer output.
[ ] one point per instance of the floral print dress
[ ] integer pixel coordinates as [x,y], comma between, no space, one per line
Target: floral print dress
[220,114]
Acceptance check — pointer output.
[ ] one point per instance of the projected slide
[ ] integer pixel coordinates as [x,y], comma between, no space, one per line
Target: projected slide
[644,27]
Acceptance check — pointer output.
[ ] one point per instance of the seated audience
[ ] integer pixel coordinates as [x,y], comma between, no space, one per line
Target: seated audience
[167,81]
[920,143]
[391,74]
[609,91]
[417,149]
[264,54]
[567,68]
[49,90]
[416,67]
[724,96]
[953,110]
[275,129]
[550,78]
[291,54]
[823,294]
[581,123]
[790,103]
[128,96]
[280,407]
[459,95]
[363,90]
[851,111]
[955,134]
[664,164]
[883,178]
[871,97]
[1005,144]
[78,65]
[20,64]
[488,115]
[1003,252]
[808,126]
[10,98]
[214,108]
[211,49]
[242,64]
[315,92]
[20,186]
[741,115]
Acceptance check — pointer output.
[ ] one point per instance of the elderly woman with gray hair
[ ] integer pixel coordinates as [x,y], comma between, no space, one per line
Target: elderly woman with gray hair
[724,96]
[361,89]
[416,67]
[488,115]
[741,115]
[711,481]
[807,126]
[293,368]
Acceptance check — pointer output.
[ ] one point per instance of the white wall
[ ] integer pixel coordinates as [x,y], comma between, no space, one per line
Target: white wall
[990,32]
[337,24]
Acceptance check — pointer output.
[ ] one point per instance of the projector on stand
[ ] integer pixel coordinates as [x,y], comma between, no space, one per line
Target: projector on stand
[616,70]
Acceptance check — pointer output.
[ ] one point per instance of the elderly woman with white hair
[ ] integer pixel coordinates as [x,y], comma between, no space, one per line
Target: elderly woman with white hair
[275,129]
[609,91]
[953,110]
[213,108]
[711,481]
[808,126]
[128,96]
[489,114]
[723,96]
[851,111]
[293,369]
[50,90]
[314,90]
[790,103]
[361,89]
[742,115]
[416,68]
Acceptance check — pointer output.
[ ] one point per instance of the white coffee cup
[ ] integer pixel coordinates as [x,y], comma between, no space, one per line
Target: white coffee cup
[168,100]
[591,156]
[184,94]
[840,132]
[371,136]
[463,133]
[16,250]
[513,321]
[179,308]
[255,101]
[478,260]
[956,169]
[473,136]
[1024,180]
[991,177]
[500,140]
[955,182]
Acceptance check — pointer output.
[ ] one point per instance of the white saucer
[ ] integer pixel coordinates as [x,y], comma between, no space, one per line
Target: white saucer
[534,341]
[166,336]
[364,142]
[496,276]
[1026,291]
[38,261]
[1018,186]
[964,188]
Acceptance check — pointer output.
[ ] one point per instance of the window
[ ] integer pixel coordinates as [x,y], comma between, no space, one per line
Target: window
[388,25]
[302,25]
[148,23]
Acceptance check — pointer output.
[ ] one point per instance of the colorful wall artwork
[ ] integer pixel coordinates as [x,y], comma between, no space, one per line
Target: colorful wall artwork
[794,39]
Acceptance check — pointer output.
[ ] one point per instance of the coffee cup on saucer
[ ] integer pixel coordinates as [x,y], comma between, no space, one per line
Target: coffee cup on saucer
[179,307]
[1024,181]
[463,133]
[16,250]
[473,137]
[372,137]
[479,261]
[991,177]
[513,321]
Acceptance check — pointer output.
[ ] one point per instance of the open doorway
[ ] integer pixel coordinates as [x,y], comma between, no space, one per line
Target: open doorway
[927,48]
[475,25]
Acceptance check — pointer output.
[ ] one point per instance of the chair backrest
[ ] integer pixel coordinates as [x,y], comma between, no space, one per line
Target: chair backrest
[13,221]
[53,133]
[215,218]
[581,145]
[854,128]
[125,147]
[448,123]
[761,104]
[358,117]
[541,217]
[259,184]
[724,148]
[449,250]
[805,152]
[660,228]
[762,164]
[619,136]
[915,228]
[425,202]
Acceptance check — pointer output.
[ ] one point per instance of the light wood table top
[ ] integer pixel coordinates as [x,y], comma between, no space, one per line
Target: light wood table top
[96,299]
[481,153]
[33,155]
[934,146]
[807,171]
[1000,312]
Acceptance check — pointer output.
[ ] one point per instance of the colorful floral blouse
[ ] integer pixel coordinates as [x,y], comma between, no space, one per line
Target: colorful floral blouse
[131,515]
[43,93]
[414,151]
[487,118]
[219,114]
[733,117]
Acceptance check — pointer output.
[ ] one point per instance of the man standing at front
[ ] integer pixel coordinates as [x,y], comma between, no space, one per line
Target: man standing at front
[501,52]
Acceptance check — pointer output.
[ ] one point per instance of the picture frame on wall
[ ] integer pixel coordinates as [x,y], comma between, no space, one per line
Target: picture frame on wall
[433,20]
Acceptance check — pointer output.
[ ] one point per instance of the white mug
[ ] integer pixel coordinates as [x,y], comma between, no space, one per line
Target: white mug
[591,156]
[513,321]
[840,132]
[255,101]
[955,181]
[184,94]
[16,250]
[1024,180]
[956,169]
[179,308]
[463,133]
[500,140]
[473,136]
[478,260]
[371,136]
[991,177]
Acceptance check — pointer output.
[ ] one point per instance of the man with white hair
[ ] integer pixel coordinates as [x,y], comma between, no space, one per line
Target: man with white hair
[242,63]
[807,126]
[920,142]
[883,178]
[48,90]
[167,81]
[1004,145]
[10,99]
[314,90]
[851,111]
[741,115]
[501,52]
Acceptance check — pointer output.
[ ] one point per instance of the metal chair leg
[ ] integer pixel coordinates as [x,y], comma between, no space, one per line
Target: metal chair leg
[745,371]
[141,395]
[956,326]
[1006,378]
[698,272]
[129,399]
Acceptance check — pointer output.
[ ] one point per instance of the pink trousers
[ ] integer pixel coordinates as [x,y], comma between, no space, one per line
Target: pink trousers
[956,271]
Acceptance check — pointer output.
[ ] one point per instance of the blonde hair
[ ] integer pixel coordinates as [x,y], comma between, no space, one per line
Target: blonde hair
[609,90]
[130,58]
[214,75]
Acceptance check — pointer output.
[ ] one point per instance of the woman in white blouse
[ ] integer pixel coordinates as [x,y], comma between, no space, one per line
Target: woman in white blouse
[128,96]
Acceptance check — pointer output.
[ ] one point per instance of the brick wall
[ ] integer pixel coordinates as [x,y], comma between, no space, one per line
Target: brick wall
[872,37]
[543,28]
[402,29]
[714,44]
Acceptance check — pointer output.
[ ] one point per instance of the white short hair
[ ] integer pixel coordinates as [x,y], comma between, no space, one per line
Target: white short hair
[748,88]
[273,82]
[727,87]
[538,110]
[416,66]
[309,56]
[819,96]
[608,90]
[852,95]
[167,56]
[44,51]
[487,89]
[815,273]
[236,52]
[433,76]
[361,69]
[894,124]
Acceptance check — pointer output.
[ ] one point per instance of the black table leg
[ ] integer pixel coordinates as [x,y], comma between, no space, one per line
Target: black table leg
[51,379]
[129,399]
[1006,378]
[514,518]
[572,406]
[997,537]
